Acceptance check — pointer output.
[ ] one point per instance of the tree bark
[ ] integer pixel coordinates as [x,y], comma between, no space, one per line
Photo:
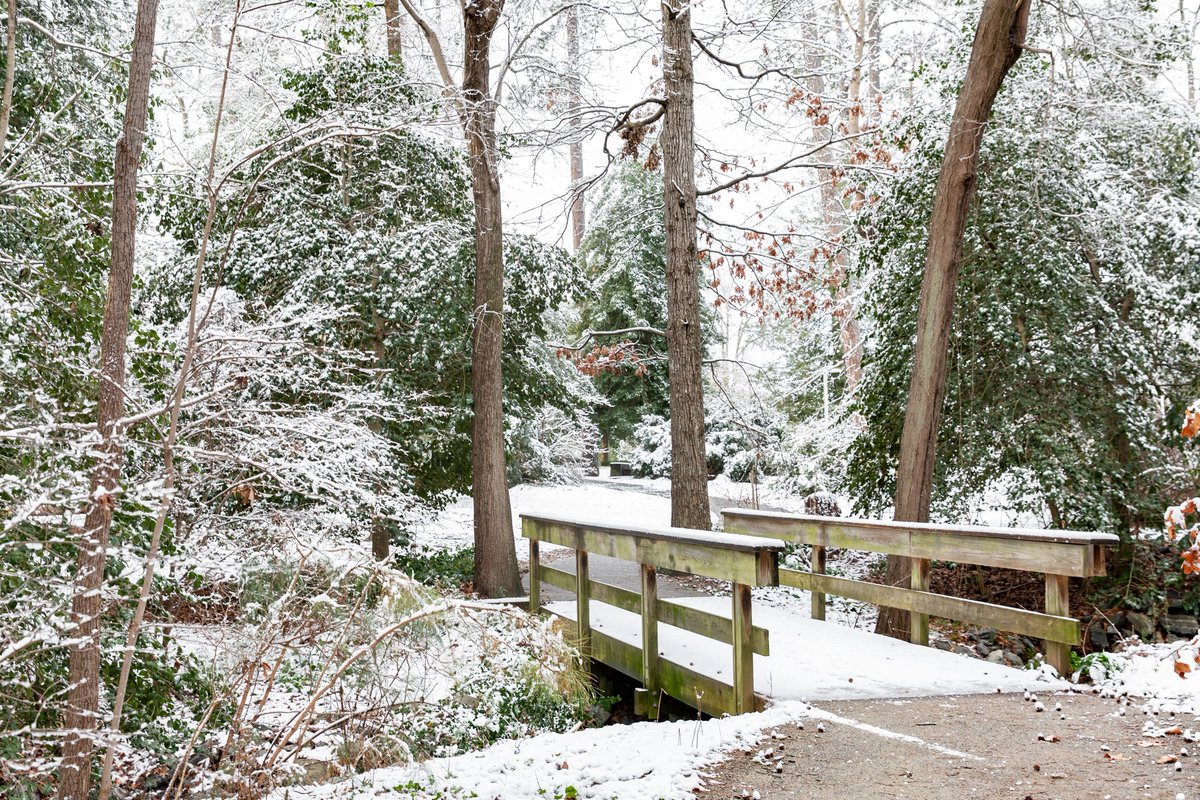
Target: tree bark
[394,25]
[10,73]
[574,103]
[83,698]
[496,573]
[999,39]
[685,348]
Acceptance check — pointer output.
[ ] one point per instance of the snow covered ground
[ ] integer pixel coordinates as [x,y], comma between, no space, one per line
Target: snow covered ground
[453,528]
[644,761]
[1148,673]
[639,501]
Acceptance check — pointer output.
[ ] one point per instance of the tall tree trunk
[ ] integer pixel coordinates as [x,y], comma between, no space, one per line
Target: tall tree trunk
[998,43]
[496,573]
[394,25]
[10,73]
[685,348]
[574,104]
[833,211]
[83,696]
[1189,58]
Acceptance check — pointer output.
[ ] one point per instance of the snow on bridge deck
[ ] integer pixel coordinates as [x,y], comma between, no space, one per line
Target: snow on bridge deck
[812,660]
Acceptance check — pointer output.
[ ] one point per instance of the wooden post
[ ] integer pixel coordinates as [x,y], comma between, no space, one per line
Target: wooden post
[583,619]
[535,578]
[1058,654]
[743,654]
[650,677]
[918,624]
[818,567]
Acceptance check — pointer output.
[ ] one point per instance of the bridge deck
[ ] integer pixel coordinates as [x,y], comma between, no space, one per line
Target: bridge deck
[812,660]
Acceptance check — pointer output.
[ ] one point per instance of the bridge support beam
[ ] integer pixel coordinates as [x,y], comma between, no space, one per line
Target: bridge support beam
[1058,603]
[918,624]
[743,652]
[818,567]
[646,700]
[583,608]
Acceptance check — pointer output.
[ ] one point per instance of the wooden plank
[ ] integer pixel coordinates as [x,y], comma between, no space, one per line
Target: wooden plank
[702,692]
[557,577]
[704,623]
[712,626]
[743,656]
[1027,623]
[708,554]
[918,623]
[966,545]
[649,614]
[818,566]
[1058,602]
[583,609]
[780,520]
[535,580]
[1021,554]
[530,523]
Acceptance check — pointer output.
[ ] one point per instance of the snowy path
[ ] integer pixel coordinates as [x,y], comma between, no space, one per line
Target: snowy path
[816,661]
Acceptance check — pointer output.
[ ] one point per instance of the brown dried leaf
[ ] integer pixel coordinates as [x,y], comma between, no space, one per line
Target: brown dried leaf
[1182,668]
[1166,760]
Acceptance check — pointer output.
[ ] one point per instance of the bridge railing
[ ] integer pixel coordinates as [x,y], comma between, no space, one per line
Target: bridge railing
[744,561]
[1058,555]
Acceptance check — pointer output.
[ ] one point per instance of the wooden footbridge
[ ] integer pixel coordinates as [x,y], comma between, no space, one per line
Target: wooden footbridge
[707,660]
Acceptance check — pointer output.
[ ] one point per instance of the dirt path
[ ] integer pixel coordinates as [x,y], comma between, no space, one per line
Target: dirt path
[982,746]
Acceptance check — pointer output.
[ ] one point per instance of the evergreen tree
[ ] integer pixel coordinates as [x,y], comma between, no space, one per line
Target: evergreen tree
[1081,258]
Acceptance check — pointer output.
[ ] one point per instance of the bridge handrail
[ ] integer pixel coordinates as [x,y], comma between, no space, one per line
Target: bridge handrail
[1057,554]
[745,561]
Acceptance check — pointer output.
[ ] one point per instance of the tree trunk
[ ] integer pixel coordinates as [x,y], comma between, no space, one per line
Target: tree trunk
[394,24]
[685,349]
[496,573]
[83,698]
[574,103]
[10,73]
[833,213]
[998,42]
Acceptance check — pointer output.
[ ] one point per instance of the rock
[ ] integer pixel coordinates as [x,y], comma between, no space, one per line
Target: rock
[1098,637]
[987,635]
[599,714]
[963,650]
[1181,624]
[1140,624]
[983,649]
[996,657]
[942,644]
[1013,660]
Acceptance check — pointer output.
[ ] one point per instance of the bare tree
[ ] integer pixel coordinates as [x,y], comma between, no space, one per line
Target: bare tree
[999,40]
[496,573]
[574,121]
[84,682]
[394,28]
[10,72]
[685,347]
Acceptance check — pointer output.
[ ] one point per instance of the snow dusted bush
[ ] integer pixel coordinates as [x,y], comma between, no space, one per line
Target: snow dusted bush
[743,444]
[650,454]
[552,446]
[353,666]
